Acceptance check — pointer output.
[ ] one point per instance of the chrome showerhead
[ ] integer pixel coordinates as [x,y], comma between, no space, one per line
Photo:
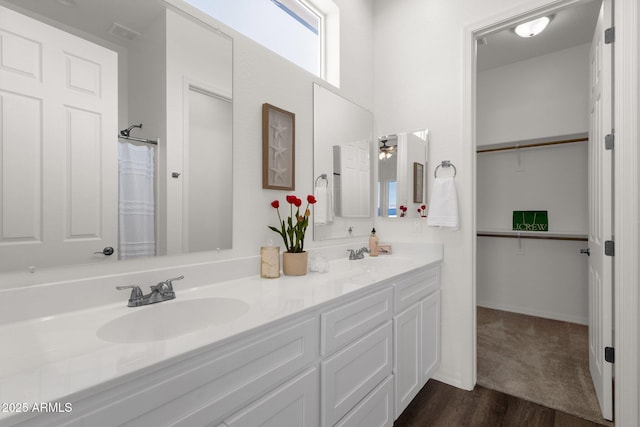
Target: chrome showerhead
[127,131]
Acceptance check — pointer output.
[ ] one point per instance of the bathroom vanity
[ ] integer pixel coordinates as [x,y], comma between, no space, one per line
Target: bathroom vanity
[350,347]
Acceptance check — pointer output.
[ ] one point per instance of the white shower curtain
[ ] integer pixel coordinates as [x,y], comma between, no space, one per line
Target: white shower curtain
[136,201]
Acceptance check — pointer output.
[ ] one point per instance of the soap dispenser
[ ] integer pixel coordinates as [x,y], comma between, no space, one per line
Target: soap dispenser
[374,250]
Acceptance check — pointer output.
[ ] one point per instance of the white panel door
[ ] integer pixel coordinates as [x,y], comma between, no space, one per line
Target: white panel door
[407,358]
[58,152]
[600,213]
[355,178]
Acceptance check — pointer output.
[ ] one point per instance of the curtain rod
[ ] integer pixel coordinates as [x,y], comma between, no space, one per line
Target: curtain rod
[531,236]
[133,138]
[539,144]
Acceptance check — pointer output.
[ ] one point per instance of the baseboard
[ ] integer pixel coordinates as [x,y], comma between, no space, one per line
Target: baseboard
[451,380]
[533,312]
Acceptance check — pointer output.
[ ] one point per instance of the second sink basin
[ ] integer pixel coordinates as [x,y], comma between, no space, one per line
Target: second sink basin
[170,319]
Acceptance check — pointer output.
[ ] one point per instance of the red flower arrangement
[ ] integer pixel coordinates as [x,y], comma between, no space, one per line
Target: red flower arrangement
[422,211]
[293,234]
[403,211]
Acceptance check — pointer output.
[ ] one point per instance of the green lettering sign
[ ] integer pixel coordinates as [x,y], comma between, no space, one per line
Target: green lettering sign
[530,221]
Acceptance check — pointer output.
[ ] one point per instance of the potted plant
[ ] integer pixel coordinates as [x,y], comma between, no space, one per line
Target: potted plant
[292,231]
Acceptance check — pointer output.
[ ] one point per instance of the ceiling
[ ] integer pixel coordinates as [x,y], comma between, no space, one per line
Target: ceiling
[96,17]
[568,28]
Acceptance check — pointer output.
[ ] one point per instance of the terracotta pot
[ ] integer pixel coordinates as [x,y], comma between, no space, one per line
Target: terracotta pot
[294,263]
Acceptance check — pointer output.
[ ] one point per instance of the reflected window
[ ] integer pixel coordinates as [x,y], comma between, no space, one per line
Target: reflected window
[294,29]
[391,202]
[387,199]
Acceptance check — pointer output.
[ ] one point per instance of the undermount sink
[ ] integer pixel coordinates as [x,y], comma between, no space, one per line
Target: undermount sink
[170,319]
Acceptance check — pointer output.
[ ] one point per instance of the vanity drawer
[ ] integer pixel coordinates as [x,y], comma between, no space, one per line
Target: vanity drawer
[213,384]
[417,286]
[375,410]
[353,372]
[347,322]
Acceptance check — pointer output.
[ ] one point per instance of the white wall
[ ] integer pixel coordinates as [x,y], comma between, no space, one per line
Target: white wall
[552,178]
[544,278]
[536,98]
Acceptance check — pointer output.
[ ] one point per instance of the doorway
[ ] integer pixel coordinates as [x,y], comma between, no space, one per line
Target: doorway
[533,160]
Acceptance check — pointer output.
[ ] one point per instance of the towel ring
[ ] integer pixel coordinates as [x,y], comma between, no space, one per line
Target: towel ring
[445,164]
[323,176]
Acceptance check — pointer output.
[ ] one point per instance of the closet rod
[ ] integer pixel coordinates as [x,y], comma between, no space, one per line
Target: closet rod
[539,144]
[530,236]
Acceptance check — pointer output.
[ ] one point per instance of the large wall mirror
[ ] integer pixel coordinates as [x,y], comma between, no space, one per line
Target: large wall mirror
[402,179]
[80,180]
[342,165]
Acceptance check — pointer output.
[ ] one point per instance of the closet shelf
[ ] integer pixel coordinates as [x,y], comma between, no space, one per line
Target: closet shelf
[578,237]
[534,145]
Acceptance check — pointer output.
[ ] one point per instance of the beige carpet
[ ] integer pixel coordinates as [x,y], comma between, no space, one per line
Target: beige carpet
[540,360]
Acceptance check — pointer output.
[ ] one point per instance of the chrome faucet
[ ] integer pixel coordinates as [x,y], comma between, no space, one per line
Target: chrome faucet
[163,291]
[357,254]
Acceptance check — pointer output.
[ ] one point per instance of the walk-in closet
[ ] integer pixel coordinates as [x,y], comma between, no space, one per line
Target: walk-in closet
[533,215]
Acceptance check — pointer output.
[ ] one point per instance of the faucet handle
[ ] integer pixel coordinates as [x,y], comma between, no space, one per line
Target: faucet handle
[170,281]
[136,293]
[166,286]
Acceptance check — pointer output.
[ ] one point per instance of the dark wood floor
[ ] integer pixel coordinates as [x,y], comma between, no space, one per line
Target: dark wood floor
[439,404]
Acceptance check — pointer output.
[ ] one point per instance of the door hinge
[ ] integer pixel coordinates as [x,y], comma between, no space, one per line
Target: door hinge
[610,35]
[609,141]
[609,247]
[609,354]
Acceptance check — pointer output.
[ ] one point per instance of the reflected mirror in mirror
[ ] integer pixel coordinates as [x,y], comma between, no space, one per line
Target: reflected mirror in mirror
[342,165]
[402,183]
[76,190]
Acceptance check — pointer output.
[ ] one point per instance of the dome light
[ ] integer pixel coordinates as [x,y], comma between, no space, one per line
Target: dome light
[532,28]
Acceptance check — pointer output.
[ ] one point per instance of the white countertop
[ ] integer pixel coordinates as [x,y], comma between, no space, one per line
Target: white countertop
[57,358]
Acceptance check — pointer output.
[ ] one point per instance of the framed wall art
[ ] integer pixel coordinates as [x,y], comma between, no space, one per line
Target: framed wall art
[278,148]
[418,182]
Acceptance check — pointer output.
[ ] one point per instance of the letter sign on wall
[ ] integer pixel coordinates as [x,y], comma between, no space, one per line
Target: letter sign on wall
[530,221]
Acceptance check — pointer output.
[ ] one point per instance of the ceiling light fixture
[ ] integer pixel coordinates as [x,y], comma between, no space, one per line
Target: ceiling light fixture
[385,150]
[532,28]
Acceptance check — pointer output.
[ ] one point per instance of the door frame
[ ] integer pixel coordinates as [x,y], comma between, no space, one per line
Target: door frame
[626,297]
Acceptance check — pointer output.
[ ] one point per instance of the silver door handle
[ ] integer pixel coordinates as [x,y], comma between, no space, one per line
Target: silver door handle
[106,251]
[585,251]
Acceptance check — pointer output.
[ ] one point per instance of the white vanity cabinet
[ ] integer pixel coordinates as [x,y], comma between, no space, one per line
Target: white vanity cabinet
[202,389]
[357,342]
[416,330]
[354,360]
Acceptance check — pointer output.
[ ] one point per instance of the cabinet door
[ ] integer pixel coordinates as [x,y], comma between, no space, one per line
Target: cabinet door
[407,357]
[430,336]
[353,372]
[296,403]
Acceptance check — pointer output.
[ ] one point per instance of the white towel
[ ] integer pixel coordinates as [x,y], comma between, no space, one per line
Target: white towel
[443,207]
[323,210]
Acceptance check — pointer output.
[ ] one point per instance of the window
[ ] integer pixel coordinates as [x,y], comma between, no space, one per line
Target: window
[295,29]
